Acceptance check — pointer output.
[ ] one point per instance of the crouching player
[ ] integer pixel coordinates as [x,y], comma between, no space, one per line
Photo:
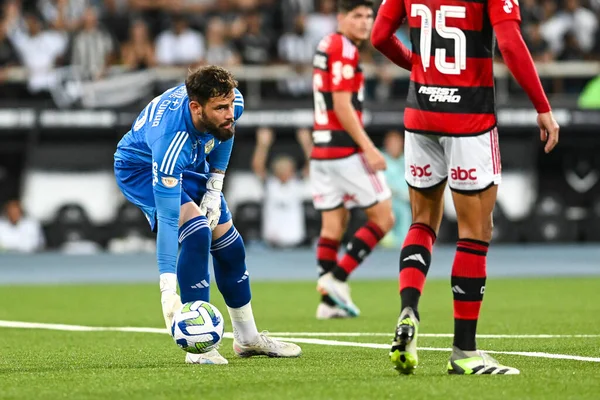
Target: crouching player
[171,164]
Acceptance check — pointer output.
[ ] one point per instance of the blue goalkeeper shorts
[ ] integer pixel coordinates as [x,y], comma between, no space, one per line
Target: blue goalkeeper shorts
[136,184]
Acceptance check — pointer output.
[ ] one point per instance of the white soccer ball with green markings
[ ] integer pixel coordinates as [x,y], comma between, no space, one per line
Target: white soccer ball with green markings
[198,327]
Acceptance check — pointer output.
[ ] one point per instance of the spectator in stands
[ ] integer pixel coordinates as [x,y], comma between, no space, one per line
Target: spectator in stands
[283,213]
[138,52]
[296,49]
[116,15]
[394,174]
[40,50]
[540,51]
[255,44]
[19,233]
[64,15]
[218,49]
[322,22]
[575,18]
[180,45]
[92,48]
[8,55]
[290,9]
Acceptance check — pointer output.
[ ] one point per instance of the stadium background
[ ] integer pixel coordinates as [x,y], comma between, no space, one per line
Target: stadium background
[74,85]
[70,92]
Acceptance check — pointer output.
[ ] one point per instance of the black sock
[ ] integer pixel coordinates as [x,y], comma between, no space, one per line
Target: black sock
[327,260]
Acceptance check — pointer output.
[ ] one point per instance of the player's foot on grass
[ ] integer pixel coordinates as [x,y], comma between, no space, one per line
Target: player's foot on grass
[326,311]
[404,347]
[266,346]
[339,292]
[171,304]
[211,357]
[476,363]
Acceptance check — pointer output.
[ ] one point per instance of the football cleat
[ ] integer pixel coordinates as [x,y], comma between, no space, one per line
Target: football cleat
[476,363]
[325,311]
[211,357]
[339,292]
[266,346]
[404,347]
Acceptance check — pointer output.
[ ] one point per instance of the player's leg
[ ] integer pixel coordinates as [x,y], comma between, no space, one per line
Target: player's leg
[328,199]
[333,226]
[229,260]
[192,267]
[475,174]
[426,176]
[364,188]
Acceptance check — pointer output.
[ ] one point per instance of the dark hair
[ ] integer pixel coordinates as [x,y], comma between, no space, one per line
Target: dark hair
[345,6]
[210,81]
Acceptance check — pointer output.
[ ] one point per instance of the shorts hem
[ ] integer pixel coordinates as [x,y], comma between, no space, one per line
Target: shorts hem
[329,208]
[428,187]
[473,191]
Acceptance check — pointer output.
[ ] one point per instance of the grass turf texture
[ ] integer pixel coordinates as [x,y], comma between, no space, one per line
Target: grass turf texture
[57,364]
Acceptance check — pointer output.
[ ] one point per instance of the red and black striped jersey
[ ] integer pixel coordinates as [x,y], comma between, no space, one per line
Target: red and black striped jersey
[451,88]
[335,68]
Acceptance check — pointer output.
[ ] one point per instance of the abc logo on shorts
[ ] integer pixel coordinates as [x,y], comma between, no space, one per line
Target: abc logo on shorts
[420,172]
[462,174]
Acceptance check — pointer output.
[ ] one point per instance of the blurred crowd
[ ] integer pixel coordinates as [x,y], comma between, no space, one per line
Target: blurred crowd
[95,35]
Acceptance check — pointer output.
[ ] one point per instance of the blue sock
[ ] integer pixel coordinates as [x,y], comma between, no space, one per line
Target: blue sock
[229,260]
[192,266]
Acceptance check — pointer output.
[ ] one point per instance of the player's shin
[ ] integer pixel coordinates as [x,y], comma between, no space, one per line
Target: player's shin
[327,251]
[192,265]
[358,248]
[231,275]
[415,259]
[468,286]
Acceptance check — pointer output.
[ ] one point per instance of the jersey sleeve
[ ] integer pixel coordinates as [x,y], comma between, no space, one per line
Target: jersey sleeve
[383,36]
[394,10]
[503,10]
[219,158]
[170,155]
[343,61]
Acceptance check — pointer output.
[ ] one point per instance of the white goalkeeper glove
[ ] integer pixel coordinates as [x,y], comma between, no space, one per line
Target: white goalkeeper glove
[210,206]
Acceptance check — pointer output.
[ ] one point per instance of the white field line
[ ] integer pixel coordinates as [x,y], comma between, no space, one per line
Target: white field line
[431,335]
[289,336]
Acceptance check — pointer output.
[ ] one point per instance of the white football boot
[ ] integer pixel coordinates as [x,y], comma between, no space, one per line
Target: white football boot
[325,311]
[211,357]
[266,346]
[339,292]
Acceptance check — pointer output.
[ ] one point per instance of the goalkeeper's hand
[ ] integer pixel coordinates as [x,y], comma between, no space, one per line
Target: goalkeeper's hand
[210,206]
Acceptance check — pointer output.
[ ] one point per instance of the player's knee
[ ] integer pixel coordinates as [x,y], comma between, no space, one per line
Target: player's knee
[384,220]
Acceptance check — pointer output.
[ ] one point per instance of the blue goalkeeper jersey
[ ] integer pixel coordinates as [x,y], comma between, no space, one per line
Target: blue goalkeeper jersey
[164,139]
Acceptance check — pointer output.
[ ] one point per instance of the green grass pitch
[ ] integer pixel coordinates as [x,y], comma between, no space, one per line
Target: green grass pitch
[55,364]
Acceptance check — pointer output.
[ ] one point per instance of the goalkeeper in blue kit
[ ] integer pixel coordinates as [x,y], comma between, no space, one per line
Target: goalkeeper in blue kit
[172,164]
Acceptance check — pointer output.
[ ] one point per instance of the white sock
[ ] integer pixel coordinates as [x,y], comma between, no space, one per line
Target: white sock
[168,282]
[244,327]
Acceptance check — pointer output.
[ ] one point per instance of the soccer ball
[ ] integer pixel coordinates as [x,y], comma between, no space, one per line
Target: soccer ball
[198,327]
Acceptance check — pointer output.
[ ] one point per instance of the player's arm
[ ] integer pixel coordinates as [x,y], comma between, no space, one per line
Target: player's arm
[169,155]
[346,114]
[505,18]
[383,36]
[342,82]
